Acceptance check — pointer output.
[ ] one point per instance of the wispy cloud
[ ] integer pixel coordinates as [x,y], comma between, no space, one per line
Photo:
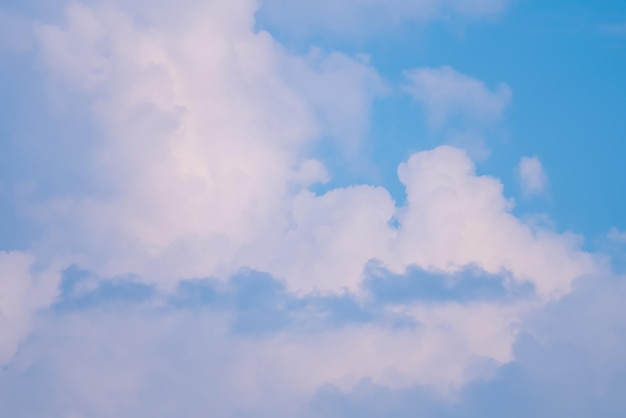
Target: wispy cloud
[532,176]
[617,235]
[617,29]
[359,18]
[448,94]
[461,108]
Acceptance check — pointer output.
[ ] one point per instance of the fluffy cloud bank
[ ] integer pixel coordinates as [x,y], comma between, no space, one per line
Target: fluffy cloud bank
[204,170]
[202,166]
[25,288]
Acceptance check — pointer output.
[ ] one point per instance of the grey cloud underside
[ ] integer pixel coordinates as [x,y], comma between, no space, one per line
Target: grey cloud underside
[260,304]
[569,361]
[470,284]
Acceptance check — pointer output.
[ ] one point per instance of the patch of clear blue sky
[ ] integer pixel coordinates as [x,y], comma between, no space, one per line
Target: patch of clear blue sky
[568,77]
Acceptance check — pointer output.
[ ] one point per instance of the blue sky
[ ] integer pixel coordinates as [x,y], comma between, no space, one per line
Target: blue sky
[312,209]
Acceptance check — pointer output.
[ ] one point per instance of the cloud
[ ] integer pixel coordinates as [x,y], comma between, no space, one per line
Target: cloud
[249,348]
[454,218]
[202,272]
[355,18]
[206,148]
[300,331]
[448,94]
[460,109]
[569,362]
[475,144]
[431,287]
[24,289]
[187,360]
[532,176]
[617,29]
[617,235]
[202,156]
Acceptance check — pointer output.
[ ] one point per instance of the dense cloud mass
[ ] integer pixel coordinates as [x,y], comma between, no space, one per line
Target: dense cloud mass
[185,252]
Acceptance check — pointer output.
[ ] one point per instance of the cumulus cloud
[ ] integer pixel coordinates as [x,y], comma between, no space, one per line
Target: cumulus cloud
[202,168]
[204,144]
[201,164]
[24,288]
[454,218]
[212,355]
[569,362]
[193,358]
[532,176]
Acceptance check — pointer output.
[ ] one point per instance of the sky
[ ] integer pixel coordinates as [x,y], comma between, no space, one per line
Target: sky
[312,209]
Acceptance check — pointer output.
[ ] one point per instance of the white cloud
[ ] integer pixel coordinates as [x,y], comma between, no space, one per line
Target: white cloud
[532,176]
[570,361]
[448,94]
[203,160]
[202,169]
[188,363]
[454,218]
[23,290]
[207,126]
